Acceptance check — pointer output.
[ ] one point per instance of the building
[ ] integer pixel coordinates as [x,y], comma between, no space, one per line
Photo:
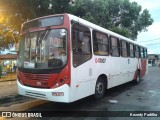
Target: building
[8,63]
[159,60]
[153,59]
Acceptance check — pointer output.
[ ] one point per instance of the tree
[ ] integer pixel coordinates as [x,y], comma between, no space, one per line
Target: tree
[8,35]
[12,14]
[20,11]
[121,16]
[61,6]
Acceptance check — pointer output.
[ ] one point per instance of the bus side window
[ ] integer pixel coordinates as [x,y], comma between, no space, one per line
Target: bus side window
[131,49]
[100,43]
[81,48]
[142,52]
[137,51]
[114,47]
[145,52]
[123,48]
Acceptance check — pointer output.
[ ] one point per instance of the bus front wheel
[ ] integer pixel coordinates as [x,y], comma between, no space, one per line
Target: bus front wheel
[100,88]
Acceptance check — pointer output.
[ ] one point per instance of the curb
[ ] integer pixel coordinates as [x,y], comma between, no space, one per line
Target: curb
[8,80]
[11,98]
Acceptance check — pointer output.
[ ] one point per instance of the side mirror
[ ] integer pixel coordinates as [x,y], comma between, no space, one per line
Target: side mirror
[79,36]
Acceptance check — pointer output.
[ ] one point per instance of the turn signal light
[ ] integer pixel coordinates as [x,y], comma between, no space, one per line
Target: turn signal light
[61,82]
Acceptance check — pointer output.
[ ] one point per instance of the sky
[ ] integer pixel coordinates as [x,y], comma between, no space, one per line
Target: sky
[152,36]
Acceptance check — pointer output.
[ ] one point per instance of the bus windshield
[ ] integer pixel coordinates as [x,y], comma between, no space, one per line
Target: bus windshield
[43,49]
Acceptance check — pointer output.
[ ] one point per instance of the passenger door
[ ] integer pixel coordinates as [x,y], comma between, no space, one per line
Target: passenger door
[81,72]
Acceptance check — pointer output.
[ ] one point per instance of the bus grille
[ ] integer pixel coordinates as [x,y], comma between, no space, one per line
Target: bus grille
[36,80]
[36,95]
[44,77]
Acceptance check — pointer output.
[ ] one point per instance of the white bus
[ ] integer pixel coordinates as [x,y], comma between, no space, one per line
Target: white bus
[64,58]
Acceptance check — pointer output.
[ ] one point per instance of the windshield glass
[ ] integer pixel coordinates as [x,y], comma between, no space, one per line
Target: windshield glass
[43,49]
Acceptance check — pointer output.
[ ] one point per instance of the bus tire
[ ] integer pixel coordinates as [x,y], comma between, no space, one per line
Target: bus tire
[137,78]
[100,88]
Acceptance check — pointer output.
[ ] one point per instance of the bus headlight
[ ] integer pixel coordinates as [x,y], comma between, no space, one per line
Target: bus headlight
[57,84]
[61,82]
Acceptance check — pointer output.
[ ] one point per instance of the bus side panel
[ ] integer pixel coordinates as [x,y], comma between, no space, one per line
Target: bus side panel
[121,70]
[81,81]
[117,71]
[84,77]
[132,66]
[143,67]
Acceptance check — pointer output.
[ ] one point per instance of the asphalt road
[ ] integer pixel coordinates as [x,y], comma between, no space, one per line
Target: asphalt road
[8,88]
[128,97]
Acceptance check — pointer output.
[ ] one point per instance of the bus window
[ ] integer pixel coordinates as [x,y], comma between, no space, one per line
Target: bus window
[136,51]
[100,43]
[131,49]
[145,53]
[142,52]
[139,51]
[123,48]
[115,47]
[81,48]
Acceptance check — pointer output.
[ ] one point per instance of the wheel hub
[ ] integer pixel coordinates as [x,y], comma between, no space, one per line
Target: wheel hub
[99,88]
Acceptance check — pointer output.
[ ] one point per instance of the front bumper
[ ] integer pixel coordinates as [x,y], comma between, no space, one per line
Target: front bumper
[46,94]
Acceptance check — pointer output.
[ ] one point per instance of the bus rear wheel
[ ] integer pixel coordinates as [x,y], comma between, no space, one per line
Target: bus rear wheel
[137,78]
[100,88]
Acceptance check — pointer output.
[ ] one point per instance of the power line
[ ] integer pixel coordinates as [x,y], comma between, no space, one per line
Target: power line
[149,40]
[152,44]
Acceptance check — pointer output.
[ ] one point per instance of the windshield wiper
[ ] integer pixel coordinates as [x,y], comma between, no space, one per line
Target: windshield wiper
[43,36]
